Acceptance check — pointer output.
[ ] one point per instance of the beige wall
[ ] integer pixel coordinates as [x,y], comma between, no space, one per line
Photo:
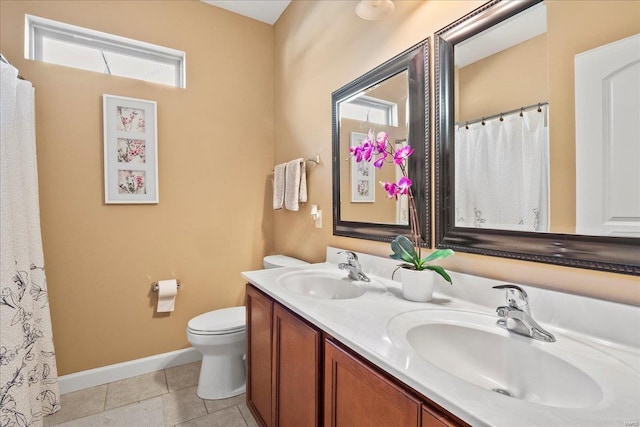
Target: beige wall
[510,79]
[312,62]
[215,152]
[581,25]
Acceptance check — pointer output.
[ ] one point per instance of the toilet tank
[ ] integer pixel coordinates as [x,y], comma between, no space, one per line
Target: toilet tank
[275,261]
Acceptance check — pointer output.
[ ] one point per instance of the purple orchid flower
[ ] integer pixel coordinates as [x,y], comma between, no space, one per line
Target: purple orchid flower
[367,150]
[391,188]
[402,154]
[380,160]
[382,139]
[356,152]
[404,184]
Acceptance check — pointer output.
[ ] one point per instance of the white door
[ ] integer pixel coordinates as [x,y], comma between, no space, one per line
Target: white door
[608,139]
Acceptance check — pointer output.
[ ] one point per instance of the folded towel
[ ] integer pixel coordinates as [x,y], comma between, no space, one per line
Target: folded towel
[303,181]
[278,186]
[295,188]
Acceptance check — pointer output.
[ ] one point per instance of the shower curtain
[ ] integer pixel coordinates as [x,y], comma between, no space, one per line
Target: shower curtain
[28,372]
[502,170]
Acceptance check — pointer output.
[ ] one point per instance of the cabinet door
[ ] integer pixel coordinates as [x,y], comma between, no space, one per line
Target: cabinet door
[259,331]
[296,371]
[433,419]
[356,395]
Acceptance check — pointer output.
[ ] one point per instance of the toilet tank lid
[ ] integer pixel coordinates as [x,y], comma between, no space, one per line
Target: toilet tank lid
[223,320]
[282,261]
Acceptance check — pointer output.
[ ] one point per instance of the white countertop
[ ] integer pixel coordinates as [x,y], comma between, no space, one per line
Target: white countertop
[362,325]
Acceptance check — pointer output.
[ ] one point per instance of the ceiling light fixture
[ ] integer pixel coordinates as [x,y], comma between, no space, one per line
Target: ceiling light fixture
[373,10]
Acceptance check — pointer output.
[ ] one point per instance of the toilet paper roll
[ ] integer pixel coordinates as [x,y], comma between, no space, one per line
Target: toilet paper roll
[167,291]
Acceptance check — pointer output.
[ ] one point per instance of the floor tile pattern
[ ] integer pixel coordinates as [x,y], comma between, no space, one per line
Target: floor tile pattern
[165,398]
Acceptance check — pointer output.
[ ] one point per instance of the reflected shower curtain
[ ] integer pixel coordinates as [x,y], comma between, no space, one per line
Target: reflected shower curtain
[28,373]
[502,173]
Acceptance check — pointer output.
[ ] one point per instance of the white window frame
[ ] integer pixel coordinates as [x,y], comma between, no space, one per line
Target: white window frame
[390,108]
[36,28]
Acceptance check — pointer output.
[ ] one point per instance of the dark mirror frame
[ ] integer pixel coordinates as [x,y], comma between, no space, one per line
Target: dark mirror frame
[614,254]
[416,61]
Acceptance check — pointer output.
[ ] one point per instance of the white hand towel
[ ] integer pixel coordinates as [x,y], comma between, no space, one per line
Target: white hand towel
[292,187]
[278,186]
[303,181]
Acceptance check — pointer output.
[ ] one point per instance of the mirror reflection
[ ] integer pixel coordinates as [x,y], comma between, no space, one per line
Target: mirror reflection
[528,157]
[381,108]
[391,98]
[501,132]
[537,136]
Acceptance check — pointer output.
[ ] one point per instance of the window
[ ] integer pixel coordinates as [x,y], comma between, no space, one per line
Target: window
[64,44]
[368,109]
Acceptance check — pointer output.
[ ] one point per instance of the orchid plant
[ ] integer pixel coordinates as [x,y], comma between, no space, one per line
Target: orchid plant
[376,149]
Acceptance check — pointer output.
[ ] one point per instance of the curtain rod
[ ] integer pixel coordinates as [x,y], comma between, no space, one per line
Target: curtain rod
[505,113]
[6,61]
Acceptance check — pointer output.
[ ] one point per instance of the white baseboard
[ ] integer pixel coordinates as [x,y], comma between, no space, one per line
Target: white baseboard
[120,371]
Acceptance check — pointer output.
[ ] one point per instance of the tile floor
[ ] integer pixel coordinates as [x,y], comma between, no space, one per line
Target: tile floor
[165,398]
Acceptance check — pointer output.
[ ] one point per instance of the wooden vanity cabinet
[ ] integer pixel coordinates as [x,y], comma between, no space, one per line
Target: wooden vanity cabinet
[356,395]
[259,354]
[432,418]
[284,374]
[299,376]
[296,371]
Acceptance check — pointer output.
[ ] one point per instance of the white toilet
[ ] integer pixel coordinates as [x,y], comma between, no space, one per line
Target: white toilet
[221,337]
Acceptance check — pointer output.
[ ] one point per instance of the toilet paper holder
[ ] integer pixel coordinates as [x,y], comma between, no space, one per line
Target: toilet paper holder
[155,286]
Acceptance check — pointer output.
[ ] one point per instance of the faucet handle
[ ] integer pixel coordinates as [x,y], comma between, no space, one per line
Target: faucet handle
[516,296]
[351,256]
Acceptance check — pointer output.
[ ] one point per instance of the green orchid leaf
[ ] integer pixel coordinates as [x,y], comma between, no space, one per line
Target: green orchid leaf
[440,271]
[403,250]
[437,254]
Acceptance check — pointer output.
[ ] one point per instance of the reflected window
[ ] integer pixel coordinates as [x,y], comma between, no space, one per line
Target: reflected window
[369,109]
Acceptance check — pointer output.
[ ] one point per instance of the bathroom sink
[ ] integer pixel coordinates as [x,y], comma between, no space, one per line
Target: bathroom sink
[471,347]
[324,284]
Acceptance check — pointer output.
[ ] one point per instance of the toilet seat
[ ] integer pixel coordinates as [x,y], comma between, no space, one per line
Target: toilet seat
[219,322]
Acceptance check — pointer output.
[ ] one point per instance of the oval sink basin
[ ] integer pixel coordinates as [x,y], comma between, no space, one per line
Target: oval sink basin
[322,284]
[473,348]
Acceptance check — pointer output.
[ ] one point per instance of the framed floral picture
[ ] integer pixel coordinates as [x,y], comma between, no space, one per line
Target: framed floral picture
[130,150]
[363,175]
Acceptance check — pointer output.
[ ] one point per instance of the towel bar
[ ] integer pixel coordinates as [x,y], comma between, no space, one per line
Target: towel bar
[315,159]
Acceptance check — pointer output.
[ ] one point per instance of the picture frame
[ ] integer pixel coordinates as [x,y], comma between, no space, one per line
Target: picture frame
[363,175]
[130,150]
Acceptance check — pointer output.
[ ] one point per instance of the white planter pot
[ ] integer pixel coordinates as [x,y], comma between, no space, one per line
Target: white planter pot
[418,285]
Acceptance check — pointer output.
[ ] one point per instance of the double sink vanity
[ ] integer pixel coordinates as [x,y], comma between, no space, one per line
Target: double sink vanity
[328,349]
[324,349]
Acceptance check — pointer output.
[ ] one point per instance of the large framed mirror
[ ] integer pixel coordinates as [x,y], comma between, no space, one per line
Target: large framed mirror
[537,139]
[392,98]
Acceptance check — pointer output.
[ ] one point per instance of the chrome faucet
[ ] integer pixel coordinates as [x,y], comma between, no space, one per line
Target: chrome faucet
[516,317]
[353,267]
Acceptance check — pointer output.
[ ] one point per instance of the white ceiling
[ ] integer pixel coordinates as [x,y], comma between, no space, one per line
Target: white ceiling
[262,10]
